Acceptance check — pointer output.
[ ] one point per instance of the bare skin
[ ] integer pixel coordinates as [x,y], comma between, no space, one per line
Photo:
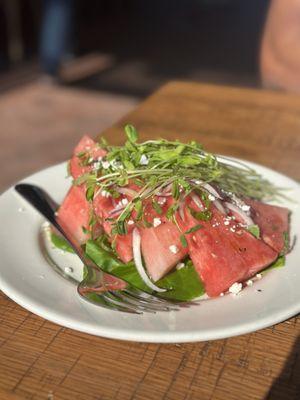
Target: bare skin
[280,50]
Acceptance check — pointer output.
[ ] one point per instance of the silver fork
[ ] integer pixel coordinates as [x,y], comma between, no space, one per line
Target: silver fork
[130,299]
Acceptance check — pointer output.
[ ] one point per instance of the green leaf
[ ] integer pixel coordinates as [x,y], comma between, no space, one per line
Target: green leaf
[125,214]
[82,154]
[254,230]
[121,227]
[147,224]
[183,241]
[61,243]
[128,165]
[131,133]
[175,190]
[156,207]
[85,231]
[92,220]
[103,142]
[171,211]
[138,206]
[194,229]
[184,284]
[89,194]
[201,215]
[279,263]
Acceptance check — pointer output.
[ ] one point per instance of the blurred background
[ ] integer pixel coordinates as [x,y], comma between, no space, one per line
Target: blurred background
[69,67]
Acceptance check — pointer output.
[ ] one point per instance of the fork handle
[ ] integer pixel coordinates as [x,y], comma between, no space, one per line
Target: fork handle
[40,200]
[46,206]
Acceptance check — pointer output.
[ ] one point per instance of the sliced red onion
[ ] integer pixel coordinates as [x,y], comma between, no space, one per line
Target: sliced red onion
[161,200]
[197,201]
[232,207]
[127,191]
[208,187]
[240,203]
[116,211]
[211,190]
[97,193]
[160,194]
[166,191]
[136,245]
[219,206]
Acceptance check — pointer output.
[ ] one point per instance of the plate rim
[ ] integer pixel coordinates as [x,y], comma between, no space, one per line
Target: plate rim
[136,335]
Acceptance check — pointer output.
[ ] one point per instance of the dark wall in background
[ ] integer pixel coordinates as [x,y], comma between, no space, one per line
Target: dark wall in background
[162,39]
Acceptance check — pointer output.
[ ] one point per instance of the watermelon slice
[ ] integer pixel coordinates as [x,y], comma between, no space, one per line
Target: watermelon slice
[273,222]
[92,149]
[103,206]
[224,253]
[222,250]
[74,214]
[161,249]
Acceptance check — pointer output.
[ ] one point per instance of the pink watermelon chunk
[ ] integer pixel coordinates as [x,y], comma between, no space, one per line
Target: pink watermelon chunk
[74,213]
[157,245]
[273,222]
[123,244]
[223,254]
[88,146]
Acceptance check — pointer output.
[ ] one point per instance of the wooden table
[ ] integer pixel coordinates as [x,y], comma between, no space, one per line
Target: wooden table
[41,360]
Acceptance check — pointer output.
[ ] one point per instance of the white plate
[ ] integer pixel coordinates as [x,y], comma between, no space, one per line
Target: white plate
[27,279]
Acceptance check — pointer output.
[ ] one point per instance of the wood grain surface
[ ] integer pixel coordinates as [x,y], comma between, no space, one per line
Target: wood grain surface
[41,360]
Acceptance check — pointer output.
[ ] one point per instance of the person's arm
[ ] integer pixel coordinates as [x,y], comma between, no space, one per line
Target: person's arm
[280,49]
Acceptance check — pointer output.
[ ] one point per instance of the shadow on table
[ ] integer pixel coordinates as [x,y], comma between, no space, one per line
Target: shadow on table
[287,384]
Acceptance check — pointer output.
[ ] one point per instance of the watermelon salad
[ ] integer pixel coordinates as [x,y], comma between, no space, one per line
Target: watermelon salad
[171,218]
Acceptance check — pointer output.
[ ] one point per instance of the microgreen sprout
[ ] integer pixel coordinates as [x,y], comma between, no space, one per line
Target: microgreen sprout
[171,166]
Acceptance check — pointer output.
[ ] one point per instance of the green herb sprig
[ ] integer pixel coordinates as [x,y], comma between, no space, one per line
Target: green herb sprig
[156,165]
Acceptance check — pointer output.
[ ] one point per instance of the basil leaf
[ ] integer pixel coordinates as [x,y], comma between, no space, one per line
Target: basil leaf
[184,284]
[279,263]
[61,243]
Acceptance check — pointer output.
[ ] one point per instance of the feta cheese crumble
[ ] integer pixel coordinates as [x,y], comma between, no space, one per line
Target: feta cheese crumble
[180,265]
[105,164]
[245,207]
[124,202]
[235,288]
[258,276]
[105,193]
[130,222]
[161,201]
[173,249]
[96,166]
[156,222]
[249,282]
[144,160]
